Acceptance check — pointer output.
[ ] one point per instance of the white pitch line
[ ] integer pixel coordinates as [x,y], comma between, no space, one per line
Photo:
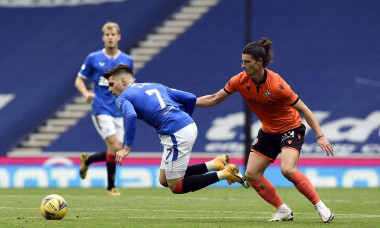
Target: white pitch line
[311,215]
[171,197]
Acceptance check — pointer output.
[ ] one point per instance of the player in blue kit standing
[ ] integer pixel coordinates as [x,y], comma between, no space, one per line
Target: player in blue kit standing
[106,117]
[168,111]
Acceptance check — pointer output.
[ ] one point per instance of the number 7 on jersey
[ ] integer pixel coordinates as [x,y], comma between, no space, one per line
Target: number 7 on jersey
[158,95]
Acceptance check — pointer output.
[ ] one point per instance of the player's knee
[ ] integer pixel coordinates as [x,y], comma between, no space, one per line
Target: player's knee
[178,188]
[288,172]
[164,183]
[114,148]
[251,176]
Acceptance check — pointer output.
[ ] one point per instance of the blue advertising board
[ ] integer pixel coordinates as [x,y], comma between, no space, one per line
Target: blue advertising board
[147,177]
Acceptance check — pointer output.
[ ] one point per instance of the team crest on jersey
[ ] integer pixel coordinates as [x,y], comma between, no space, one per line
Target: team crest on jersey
[102,64]
[267,93]
[290,142]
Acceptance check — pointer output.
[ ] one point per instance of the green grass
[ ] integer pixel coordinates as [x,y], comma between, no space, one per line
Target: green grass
[210,207]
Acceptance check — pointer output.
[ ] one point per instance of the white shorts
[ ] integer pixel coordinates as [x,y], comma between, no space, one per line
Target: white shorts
[177,151]
[107,125]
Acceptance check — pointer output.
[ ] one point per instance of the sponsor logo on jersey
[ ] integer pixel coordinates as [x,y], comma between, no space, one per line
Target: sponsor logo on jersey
[263,104]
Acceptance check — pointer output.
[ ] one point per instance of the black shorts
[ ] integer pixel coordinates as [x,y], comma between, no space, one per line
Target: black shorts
[270,145]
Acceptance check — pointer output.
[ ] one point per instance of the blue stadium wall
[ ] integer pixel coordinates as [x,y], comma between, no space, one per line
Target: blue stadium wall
[328,51]
[42,49]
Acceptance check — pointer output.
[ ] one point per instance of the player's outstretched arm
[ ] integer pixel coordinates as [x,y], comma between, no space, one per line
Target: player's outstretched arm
[211,100]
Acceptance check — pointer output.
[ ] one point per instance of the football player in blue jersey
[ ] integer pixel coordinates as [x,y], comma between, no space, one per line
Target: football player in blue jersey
[168,111]
[106,117]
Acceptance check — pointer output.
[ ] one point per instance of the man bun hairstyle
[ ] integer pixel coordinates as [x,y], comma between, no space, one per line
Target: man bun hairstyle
[261,49]
[121,68]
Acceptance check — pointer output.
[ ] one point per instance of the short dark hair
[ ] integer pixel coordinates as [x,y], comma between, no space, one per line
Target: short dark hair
[261,49]
[121,68]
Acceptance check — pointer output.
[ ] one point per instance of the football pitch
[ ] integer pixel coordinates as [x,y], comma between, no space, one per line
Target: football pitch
[209,207]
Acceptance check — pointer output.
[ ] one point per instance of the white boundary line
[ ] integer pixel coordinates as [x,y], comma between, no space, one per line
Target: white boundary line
[308,215]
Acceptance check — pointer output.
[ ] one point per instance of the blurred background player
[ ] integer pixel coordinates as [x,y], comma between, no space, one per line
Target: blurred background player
[282,131]
[168,111]
[106,117]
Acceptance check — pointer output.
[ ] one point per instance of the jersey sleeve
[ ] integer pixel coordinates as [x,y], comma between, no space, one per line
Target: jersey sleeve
[231,85]
[130,119]
[187,99]
[86,69]
[285,93]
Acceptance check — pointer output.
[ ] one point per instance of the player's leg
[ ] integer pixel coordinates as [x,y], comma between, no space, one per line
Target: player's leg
[108,128]
[175,160]
[289,159]
[254,173]
[264,152]
[291,146]
[194,183]
[113,145]
[216,164]
[87,159]
[256,166]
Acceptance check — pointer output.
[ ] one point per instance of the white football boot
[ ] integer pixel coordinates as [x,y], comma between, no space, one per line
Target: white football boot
[324,212]
[284,213]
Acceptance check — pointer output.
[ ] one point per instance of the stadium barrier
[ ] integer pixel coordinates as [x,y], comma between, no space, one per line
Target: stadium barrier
[63,172]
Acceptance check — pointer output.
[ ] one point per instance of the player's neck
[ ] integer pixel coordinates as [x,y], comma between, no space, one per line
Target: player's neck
[111,52]
[258,76]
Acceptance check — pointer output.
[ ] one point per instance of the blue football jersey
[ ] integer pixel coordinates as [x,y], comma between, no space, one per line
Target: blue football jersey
[93,67]
[165,109]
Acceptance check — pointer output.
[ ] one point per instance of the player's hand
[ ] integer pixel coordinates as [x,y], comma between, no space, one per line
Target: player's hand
[120,155]
[90,97]
[325,146]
